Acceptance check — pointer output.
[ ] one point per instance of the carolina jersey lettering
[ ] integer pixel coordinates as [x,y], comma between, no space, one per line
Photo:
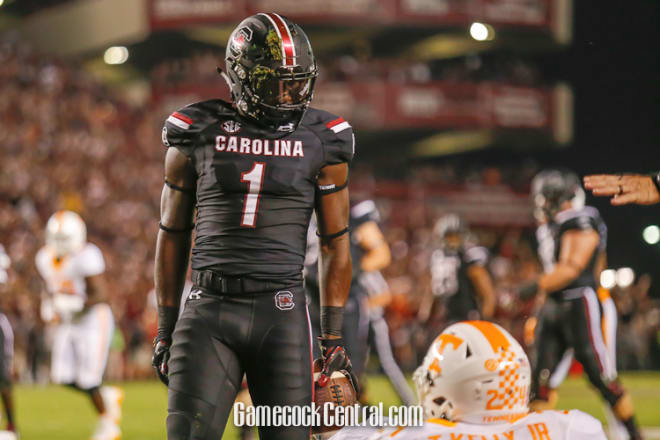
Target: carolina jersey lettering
[543,425]
[255,187]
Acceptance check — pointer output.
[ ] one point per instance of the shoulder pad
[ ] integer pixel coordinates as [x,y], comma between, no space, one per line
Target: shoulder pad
[476,255]
[335,133]
[182,127]
[365,211]
[584,427]
[581,219]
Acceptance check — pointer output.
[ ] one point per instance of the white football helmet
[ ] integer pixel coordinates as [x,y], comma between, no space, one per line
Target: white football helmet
[474,372]
[65,233]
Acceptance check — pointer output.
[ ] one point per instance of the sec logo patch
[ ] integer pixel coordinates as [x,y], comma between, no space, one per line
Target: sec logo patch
[231,127]
[284,300]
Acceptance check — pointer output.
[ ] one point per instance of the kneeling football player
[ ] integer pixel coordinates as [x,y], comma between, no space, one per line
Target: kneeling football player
[474,383]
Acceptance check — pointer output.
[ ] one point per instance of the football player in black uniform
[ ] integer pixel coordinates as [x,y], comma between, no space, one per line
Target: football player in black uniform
[460,286]
[571,315]
[363,324]
[255,169]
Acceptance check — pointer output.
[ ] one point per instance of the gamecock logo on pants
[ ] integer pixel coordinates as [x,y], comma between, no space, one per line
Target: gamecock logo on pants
[284,300]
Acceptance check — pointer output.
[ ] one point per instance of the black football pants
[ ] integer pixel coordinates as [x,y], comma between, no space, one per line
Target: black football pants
[217,339]
[571,319]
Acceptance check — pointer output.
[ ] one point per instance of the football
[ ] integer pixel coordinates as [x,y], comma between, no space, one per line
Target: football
[339,391]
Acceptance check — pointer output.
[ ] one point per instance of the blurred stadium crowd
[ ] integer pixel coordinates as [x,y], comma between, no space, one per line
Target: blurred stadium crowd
[509,68]
[67,143]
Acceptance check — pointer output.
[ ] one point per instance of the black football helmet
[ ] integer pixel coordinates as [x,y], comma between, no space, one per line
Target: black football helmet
[551,188]
[271,70]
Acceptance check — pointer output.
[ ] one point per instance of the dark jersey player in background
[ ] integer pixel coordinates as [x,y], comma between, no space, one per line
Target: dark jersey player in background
[460,287]
[370,253]
[255,169]
[571,315]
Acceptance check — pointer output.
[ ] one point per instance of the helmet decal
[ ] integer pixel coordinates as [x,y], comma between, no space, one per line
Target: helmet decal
[274,45]
[283,37]
[493,334]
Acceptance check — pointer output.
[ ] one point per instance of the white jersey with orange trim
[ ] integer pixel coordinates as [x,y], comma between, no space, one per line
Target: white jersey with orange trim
[542,425]
[81,341]
[65,276]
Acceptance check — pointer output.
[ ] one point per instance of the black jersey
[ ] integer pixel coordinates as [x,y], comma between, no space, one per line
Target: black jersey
[450,281]
[549,241]
[255,187]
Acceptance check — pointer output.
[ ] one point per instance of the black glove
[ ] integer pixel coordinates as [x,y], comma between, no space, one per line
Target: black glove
[334,358]
[528,291]
[160,358]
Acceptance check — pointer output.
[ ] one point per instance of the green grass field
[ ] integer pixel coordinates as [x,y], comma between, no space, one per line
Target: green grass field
[54,413]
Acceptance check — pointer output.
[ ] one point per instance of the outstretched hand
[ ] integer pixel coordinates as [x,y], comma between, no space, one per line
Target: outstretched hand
[624,188]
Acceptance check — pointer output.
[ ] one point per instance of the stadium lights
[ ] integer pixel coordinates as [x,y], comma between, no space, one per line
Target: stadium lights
[115,55]
[608,278]
[622,277]
[625,277]
[651,234]
[482,31]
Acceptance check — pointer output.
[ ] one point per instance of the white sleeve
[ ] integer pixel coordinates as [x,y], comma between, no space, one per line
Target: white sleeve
[40,262]
[90,261]
[582,426]
[476,255]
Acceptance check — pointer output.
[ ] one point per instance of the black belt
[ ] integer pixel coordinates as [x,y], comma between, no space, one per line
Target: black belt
[222,284]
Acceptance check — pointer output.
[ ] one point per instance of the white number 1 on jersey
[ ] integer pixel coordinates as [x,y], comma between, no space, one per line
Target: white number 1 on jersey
[254,178]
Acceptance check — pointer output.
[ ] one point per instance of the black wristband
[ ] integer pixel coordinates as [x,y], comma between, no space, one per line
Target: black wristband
[655,178]
[332,320]
[167,316]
